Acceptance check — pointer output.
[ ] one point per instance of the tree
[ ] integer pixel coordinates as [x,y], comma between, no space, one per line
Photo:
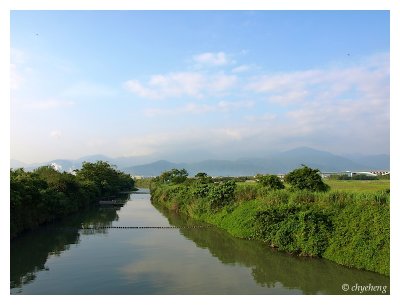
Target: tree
[174,176]
[270,181]
[306,178]
[203,178]
[108,180]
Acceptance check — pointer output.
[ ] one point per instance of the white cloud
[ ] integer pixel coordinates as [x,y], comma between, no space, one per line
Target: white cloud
[367,81]
[137,88]
[169,85]
[222,82]
[266,117]
[214,59]
[182,84]
[285,81]
[199,108]
[50,104]
[56,134]
[290,97]
[240,69]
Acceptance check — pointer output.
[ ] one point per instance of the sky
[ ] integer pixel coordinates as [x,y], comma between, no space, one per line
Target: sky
[195,85]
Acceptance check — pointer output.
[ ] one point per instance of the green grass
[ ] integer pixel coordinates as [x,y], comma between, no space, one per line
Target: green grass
[358,185]
[344,185]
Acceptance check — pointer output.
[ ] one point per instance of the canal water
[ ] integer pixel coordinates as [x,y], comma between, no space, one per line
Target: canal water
[82,255]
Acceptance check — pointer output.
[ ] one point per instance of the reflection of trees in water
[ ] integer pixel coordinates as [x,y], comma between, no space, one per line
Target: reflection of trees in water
[29,252]
[271,268]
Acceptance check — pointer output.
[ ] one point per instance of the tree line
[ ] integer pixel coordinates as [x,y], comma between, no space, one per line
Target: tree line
[45,194]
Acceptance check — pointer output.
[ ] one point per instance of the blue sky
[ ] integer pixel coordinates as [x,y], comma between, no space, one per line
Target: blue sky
[185,85]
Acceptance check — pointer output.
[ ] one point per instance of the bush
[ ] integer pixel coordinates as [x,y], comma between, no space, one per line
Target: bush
[274,197]
[246,192]
[303,197]
[361,237]
[306,178]
[222,194]
[295,228]
[271,182]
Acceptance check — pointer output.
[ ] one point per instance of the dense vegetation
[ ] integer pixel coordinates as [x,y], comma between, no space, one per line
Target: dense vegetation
[350,228]
[45,194]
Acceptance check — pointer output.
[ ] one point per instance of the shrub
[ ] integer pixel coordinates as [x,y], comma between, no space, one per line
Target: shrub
[306,178]
[303,197]
[294,228]
[222,194]
[361,237]
[276,197]
[271,182]
[246,192]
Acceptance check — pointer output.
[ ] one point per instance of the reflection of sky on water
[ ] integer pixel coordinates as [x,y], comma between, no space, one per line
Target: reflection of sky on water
[164,261]
[187,269]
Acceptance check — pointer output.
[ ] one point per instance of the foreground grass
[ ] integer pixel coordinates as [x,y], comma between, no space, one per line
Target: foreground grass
[347,227]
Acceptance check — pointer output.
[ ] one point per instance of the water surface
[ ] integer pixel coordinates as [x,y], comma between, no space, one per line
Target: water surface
[63,258]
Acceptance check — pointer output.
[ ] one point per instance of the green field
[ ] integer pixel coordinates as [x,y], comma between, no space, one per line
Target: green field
[348,185]
[358,185]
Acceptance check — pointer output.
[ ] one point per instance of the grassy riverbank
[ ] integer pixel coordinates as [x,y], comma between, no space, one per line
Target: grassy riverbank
[348,227]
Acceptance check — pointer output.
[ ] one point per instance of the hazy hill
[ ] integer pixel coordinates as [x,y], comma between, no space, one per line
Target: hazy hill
[274,163]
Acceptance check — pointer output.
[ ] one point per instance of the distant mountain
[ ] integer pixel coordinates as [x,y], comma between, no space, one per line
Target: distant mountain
[372,162]
[69,165]
[274,163]
[153,169]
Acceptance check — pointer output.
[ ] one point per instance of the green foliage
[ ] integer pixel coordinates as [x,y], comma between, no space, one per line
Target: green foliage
[351,228]
[246,191]
[306,178]
[271,182]
[273,197]
[361,237]
[107,179]
[363,177]
[295,228]
[221,194]
[45,194]
[303,197]
[203,178]
[173,176]
[202,190]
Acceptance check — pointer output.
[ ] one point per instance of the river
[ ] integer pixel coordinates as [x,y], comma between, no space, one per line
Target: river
[70,258]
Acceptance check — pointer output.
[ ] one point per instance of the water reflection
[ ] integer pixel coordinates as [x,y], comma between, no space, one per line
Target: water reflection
[162,261]
[29,252]
[271,268]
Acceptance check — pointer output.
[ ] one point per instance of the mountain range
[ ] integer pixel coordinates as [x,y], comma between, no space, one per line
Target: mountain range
[273,163]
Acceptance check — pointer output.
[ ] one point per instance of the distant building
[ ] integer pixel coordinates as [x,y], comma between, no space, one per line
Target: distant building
[354,173]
